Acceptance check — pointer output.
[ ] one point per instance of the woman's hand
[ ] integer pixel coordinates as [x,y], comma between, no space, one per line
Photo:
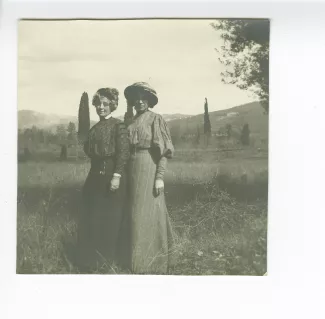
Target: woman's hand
[159,186]
[115,183]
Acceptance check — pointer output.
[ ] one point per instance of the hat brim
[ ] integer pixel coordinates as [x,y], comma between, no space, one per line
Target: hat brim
[130,93]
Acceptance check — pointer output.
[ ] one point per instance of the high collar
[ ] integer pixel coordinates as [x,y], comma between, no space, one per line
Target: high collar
[106,117]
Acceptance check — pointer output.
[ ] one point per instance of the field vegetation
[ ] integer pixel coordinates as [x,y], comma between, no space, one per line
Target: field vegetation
[217,202]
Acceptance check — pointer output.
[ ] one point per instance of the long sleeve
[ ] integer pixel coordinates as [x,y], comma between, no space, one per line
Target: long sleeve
[122,148]
[162,138]
[161,168]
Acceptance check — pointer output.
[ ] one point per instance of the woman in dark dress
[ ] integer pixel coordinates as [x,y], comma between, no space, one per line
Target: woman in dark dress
[104,192]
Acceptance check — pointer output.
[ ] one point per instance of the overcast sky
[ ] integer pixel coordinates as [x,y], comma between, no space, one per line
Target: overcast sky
[58,60]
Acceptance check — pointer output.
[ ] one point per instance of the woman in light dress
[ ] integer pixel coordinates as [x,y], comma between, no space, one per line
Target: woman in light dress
[149,228]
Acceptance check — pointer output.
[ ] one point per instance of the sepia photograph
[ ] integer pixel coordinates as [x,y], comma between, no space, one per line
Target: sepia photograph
[143,146]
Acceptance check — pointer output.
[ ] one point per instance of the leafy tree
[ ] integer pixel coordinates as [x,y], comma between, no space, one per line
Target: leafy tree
[245,55]
[64,153]
[61,133]
[72,132]
[51,138]
[28,134]
[73,136]
[245,139]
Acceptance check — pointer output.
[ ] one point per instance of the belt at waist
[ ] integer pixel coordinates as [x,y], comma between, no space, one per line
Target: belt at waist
[135,150]
[100,164]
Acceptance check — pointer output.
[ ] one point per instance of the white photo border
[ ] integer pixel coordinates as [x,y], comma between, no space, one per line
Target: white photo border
[296,261]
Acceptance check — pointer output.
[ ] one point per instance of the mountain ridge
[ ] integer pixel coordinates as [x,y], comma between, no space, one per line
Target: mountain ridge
[30,118]
[250,113]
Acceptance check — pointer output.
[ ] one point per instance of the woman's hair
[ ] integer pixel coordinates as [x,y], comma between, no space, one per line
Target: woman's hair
[110,93]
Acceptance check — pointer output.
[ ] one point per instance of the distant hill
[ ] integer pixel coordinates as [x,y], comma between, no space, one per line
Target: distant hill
[251,113]
[28,118]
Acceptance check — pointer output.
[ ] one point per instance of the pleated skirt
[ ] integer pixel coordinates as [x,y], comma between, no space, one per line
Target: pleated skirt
[150,230]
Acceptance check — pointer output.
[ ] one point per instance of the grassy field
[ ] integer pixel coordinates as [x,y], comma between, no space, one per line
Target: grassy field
[217,203]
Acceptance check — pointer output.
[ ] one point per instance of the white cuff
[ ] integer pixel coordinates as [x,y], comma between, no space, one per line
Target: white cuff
[116,175]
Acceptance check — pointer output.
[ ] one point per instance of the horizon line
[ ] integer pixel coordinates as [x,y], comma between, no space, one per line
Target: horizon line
[257,101]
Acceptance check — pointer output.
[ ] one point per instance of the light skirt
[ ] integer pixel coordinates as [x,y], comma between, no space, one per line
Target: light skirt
[151,236]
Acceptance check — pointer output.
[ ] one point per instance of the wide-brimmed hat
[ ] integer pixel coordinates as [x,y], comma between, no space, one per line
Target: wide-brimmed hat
[131,90]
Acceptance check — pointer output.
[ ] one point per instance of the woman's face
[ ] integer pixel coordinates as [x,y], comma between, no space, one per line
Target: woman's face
[141,103]
[104,106]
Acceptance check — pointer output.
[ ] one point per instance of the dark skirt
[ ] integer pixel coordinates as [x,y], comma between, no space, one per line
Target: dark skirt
[101,217]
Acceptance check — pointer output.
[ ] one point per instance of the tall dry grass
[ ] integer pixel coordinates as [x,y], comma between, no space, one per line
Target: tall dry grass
[220,229]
